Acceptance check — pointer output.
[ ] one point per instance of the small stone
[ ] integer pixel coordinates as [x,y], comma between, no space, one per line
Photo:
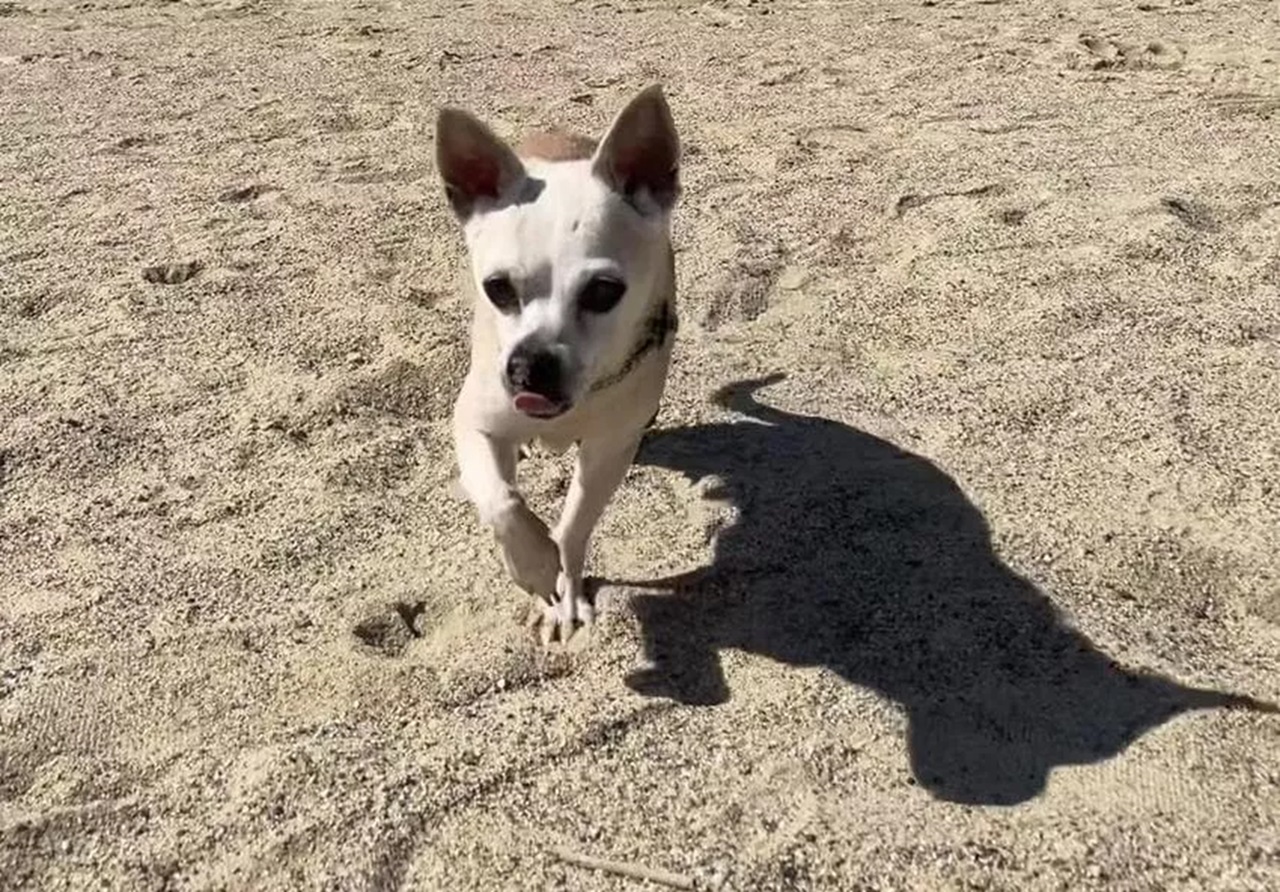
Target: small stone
[793,278]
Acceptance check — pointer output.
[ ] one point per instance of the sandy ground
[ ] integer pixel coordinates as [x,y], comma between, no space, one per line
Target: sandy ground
[982,534]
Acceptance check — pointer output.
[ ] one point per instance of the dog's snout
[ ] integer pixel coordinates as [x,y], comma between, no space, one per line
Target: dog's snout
[536,369]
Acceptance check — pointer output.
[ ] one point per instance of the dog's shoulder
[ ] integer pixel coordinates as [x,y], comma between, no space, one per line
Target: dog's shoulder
[556,145]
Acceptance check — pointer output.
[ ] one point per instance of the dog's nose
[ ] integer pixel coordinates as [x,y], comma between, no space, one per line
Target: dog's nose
[535,369]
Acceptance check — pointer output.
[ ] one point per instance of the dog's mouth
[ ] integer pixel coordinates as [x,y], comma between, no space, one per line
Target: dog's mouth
[535,405]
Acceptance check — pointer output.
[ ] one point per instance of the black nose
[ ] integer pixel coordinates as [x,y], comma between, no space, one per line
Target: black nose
[535,369]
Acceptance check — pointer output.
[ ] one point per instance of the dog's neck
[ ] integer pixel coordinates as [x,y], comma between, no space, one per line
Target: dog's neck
[661,324]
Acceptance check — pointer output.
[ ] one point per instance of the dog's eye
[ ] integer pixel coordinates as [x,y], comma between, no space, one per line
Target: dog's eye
[501,293]
[601,294]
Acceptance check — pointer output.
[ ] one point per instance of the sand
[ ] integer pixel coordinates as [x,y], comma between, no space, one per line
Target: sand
[957,534]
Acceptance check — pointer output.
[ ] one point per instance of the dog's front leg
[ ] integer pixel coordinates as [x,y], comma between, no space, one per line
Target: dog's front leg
[602,463]
[487,475]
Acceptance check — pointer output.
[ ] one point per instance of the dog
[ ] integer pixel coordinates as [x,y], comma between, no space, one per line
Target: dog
[572,279]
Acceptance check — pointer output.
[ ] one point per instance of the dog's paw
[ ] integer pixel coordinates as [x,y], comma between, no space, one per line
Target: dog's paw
[530,555]
[570,619]
[574,606]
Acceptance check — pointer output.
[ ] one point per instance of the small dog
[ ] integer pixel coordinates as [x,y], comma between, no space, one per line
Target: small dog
[573,280]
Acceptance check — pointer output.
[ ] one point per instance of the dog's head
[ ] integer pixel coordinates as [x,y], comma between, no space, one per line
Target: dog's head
[567,253]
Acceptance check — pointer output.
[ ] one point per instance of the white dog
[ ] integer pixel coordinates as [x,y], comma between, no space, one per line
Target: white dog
[569,248]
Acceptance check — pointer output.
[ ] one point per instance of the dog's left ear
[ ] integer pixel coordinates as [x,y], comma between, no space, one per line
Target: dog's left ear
[473,162]
[639,157]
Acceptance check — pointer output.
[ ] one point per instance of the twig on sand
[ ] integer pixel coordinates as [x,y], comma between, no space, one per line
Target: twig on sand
[635,871]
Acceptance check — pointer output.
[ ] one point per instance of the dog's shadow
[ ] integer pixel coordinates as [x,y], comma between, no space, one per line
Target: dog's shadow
[853,554]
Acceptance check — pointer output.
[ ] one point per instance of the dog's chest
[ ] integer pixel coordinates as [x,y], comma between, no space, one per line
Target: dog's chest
[554,444]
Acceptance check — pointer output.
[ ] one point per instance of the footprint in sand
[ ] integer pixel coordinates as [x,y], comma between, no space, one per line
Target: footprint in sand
[242,194]
[1105,53]
[390,631]
[171,273]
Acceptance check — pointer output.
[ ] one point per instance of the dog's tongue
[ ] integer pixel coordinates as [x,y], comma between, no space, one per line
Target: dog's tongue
[534,404]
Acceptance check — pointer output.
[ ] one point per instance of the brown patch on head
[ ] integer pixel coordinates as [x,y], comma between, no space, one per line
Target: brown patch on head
[556,145]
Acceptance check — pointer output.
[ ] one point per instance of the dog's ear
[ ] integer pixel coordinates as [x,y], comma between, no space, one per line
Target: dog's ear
[640,154]
[473,162]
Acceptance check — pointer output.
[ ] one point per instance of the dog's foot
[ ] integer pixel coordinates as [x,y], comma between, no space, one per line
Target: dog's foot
[531,557]
[555,633]
[572,603]
[570,619]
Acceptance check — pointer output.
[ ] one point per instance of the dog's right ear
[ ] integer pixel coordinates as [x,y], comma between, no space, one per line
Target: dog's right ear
[474,163]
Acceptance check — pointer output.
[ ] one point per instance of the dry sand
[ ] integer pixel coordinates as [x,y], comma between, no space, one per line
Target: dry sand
[973,567]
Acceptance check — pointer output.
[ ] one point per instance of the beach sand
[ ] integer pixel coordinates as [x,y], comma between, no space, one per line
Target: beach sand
[957,532]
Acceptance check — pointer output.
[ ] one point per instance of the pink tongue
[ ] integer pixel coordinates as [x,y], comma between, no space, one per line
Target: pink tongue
[534,404]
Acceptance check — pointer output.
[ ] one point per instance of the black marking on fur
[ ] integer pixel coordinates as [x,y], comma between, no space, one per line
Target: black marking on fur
[661,324]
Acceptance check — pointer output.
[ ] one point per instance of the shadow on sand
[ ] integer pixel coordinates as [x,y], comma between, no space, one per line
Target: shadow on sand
[851,553]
